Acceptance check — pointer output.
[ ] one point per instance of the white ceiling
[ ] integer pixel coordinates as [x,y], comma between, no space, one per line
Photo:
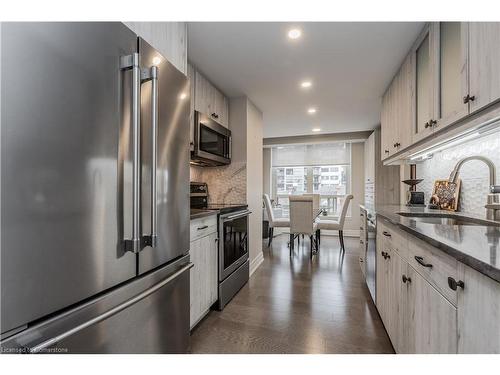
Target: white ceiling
[350,65]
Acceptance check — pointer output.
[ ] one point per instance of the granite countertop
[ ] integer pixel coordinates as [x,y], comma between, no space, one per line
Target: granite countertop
[477,246]
[199,213]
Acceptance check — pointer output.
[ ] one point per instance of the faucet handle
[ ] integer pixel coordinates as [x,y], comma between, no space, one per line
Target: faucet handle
[494,189]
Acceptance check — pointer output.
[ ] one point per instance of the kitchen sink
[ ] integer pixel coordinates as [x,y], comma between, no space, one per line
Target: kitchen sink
[447,219]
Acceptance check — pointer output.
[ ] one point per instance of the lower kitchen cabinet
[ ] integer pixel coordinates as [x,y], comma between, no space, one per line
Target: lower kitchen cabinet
[478,313]
[431,319]
[204,276]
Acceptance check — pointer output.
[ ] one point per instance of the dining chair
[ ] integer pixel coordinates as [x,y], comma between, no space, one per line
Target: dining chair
[316,198]
[302,220]
[273,221]
[336,224]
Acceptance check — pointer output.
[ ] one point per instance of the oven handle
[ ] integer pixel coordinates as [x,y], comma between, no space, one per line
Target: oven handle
[237,216]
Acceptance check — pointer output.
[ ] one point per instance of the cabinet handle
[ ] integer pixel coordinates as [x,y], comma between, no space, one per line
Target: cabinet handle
[420,261]
[468,98]
[406,279]
[385,233]
[386,151]
[361,242]
[203,227]
[453,284]
[432,122]
[427,125]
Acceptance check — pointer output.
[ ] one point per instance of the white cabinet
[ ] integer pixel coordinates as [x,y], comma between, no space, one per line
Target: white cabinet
[204,276]
[210,101]
[452,71]
[192,80]
[478,312]
[397,110]
[429,302]
[431,319]
[484,63]
[417,316]
[169,38]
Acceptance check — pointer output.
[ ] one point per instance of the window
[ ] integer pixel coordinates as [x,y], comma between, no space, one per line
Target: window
[323,169]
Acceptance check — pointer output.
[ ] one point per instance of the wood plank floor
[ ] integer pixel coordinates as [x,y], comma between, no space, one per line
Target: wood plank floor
[293,305]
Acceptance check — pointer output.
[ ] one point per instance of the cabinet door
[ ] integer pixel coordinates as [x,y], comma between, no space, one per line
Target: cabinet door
[478,313]
[425,83]
[195,282]
[220,112]
[453,72]
[192,82]
[213,279]
[382,281]
[396,302]
[484,63]
[431,323]
[202,94]
[385,127]
[405,100]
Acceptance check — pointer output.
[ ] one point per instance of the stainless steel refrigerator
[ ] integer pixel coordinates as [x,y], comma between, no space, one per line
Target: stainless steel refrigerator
[94,192]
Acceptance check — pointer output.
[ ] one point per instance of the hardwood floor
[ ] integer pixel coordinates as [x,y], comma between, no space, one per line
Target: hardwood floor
[293,305]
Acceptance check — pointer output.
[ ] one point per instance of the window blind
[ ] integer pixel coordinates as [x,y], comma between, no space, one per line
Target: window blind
[311,154]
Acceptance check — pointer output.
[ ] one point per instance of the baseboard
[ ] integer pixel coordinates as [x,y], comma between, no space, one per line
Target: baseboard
[256,262]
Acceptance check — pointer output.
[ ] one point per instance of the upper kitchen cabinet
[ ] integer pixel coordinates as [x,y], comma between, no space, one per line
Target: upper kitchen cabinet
[453,84]
[398,110]
[170,38]
[191,73]
[484,64]
[210,101]
[425,82]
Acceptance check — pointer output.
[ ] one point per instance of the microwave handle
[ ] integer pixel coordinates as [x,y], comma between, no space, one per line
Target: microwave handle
[229,139]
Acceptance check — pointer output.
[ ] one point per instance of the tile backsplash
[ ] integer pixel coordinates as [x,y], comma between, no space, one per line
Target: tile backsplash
[474,174]
[226,184]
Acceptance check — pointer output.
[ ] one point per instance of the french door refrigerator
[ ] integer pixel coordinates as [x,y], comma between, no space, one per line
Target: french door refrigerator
[94,192]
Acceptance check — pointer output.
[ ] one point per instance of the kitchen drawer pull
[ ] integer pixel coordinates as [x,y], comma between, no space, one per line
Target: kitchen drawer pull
[203,227]
[420,261]
[385,233]
[406,279]
[361,242]
[361,228]
[453,284]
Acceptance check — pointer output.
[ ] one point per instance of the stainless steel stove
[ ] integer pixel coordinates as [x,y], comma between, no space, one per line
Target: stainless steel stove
[234,265]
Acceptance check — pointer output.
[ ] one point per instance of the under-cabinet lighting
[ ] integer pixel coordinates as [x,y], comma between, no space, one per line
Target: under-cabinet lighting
[484,129]
[316,129]
[311,110]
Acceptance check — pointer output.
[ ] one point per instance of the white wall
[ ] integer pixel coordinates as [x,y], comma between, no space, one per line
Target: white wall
[169,38]
[266,171]
[246,124]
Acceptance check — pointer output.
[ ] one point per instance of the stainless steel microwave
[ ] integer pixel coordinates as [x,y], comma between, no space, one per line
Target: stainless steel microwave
[212,142]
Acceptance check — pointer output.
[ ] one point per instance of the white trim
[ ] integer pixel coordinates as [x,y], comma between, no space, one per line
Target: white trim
[256,262]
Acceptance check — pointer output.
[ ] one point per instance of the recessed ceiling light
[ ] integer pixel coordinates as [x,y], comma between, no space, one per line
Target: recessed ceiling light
[316,129]
[306,84]
[311,110]
[294,33]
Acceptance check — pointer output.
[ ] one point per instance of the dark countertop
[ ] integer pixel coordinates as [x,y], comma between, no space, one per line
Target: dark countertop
[199,213]
[474,245]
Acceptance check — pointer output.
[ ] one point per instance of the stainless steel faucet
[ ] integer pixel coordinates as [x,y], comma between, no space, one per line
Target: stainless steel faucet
[493,199]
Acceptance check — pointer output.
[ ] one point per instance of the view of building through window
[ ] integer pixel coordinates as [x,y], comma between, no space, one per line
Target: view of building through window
[323,169]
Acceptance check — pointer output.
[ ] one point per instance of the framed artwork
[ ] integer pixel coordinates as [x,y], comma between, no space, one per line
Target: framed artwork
[445,194]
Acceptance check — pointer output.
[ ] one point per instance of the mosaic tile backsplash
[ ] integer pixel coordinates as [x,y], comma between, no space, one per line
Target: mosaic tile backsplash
[226,184]
[474,174]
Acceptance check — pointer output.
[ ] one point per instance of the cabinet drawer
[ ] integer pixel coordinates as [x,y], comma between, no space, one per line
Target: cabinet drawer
[394,238]
[203,227]
[434,265]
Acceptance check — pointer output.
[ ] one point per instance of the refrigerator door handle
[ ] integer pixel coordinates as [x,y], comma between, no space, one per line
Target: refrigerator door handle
[131,62]
[152,75]
[111,312]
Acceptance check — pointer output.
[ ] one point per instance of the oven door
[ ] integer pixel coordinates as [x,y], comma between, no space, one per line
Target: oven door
[213,141]
[233,242]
